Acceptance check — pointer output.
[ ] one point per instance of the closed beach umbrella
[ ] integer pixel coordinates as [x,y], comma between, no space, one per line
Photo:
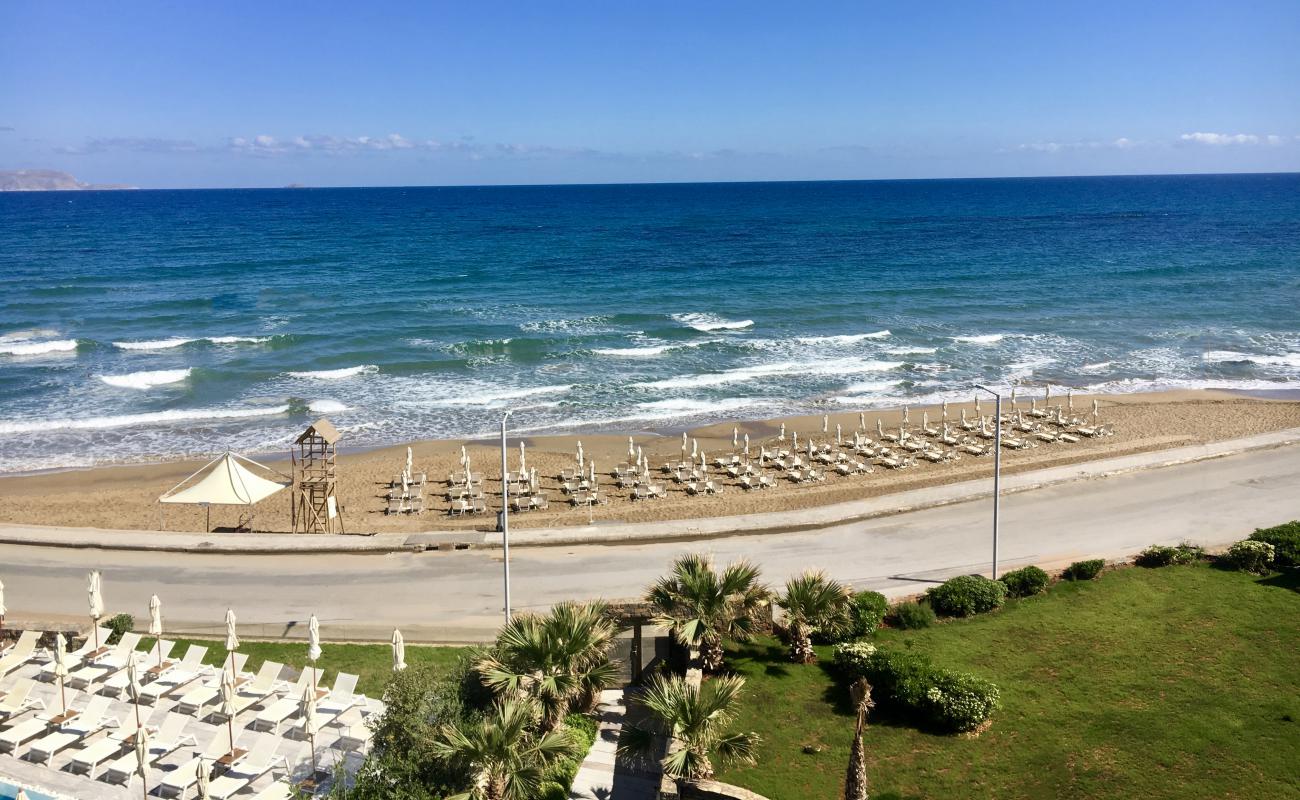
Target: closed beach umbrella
[464,457]
[399,651]
[977,405]
[1013,397]
[839,434]
[925,420]
[228,706]
[945,410]
[862,420]
[133,686]
[61,667]
[826,423]
[735,436]
[201,780]
[581,456]
[309,726]
[695,448]
[963,417]
[1047,395]
[313,646]
[1096,409]
[523,461]
[532,478]
[232,641]
[593,474]
[794,441]
[631,449]
[782,435]
[94,591]
[410,461]
[1069,398]
[155,623]
[142,757]
[880,429]
[907,417]
[640,456]
[747,445]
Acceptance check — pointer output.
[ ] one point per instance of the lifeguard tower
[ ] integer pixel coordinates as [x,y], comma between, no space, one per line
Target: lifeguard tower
[315,506]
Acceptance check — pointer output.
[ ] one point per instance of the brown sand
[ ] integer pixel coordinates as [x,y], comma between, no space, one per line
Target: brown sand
[124,497]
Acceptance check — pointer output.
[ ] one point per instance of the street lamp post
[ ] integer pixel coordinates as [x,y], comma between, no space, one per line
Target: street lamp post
[505,514]
[997,469]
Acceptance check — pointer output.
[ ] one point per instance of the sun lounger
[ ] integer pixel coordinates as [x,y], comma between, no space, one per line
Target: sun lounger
[171,736]
[26,643]
[86,724]
[73,657]
[255,691]
[87,759]
[19,699]
[279,790]
[176,675]
[270,717]
[178,781]
[341,698]
[247,770]
[199,697]
[116,685]
[20,653]
[107,665]
[14,736]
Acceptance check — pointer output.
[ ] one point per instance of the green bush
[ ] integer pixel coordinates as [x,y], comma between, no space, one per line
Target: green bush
[1250,555]
[1158,555]
[562,772]
[912,615]
[910,684]
[966,595]
[1285,540]
[869,610]
[1083,570]
[1025,582]
[118,625]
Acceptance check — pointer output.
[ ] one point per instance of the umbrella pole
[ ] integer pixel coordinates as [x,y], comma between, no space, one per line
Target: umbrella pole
[313,757]
[63,695]
[230,731]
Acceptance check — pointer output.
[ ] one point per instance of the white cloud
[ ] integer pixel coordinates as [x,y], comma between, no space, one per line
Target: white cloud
[1220,139]
[266,145]
[1122,143]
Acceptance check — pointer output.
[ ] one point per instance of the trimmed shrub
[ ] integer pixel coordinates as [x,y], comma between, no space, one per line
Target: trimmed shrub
[966,595]
[912,615]
[1083,570]
[118,625]
[1285,540]
[560,774]
[1250,555]
[869,610]
[1158,555]
[1025,582]
[909,683]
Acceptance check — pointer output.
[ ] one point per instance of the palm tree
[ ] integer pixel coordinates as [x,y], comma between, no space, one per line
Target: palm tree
[855,783]
[702,606]
[502,753]
[813,603]
[699,718]
[561,660]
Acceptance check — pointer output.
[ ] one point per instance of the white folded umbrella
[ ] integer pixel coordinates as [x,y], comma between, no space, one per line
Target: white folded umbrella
[232,641]
[94,588]
[399,651]
[61,670]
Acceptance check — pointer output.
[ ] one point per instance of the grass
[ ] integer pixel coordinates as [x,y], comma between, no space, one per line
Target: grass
[371,663]
[1180,682]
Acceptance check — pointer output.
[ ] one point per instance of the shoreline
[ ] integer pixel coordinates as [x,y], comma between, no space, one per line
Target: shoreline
[122,496]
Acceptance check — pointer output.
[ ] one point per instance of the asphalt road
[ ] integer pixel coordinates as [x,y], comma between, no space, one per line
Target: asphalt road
[457,596]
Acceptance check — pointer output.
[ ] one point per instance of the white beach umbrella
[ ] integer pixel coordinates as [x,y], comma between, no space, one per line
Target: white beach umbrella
[963,417]
[703,463]
[399,651]
[1013,397]
[977,405]
[313,646]
[228,709]
[95,594]
[862,420]
[232,641]
[581,455]
[61,670]
[142,757]
[762,455]
[593,474]
[1069,398]
[812,449]
[523,459]
[781,436]
[945,430]
[945,410]
[880,429]
[695,448]
[794,440]
[747,445]
[640,455]
[201,779]
[406,483]
[984,425]
[310,726]
[1096,409]
[155,617]
[532,478]
[839,434]
[133,686]
[925,420]
[907,417]
[826,423]
[1033,404]
[464,457]
[1047,395]
[410,461]
[735,436]
[631,449]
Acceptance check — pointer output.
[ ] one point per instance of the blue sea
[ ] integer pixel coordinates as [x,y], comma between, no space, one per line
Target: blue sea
[151,325]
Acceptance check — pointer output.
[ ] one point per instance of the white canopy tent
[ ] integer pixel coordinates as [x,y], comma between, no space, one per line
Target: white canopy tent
[225,481]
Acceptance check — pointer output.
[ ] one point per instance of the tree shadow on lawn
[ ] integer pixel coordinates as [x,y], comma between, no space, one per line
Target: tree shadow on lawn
[773,658]
[1286,579]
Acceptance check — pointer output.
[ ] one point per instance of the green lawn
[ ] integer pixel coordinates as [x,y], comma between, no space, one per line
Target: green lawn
[1181,682]
[372,663]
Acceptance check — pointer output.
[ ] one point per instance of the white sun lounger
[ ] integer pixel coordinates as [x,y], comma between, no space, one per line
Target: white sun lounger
[178,781]
[170,737]
[89,722]
[276,713]
[276,791]
[20,653]
[107,666]
[196,699]
[341,698]
[176,675]
[74,657]
[19,699]
[259,761]
[85,760]
[256,690]
[26,642]
[12,737]
[115,685]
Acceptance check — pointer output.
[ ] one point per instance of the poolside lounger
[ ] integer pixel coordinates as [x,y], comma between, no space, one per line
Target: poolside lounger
[85,760]
[170,737]
[275,713]
[19,699]
[341,698]
[74,657]
[196,699]
[176,675]
[20,653]
[178,781]
[12,737]
[106,666]
[26,642]
[247,770]
[89,722]
[255,691]
[116,684]
[279,790]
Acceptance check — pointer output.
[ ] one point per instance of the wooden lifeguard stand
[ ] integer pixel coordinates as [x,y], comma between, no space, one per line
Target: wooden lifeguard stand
[315,506]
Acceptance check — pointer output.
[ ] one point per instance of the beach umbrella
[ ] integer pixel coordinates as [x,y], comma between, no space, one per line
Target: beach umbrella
[631,449]
[313,646]
[640,455]
[703,463]
[1047,395]
[1013,397]
[464,457]
[762,455]
[902,434]
[133,686]
[406,484]
[826,423]
[410,461]
[523,461]
[2,605]
[945,410]
[142,758]
[812,449]
[746,454]
[695,448]
[1033,405]
[907,417]
[794,441]
[228,709]
[862,420]
[1069,398]
[61,667]
[977,405]
[232,641]
[984,425]
[581,456]
[532,478]
[925,420]
[593,474]
[781,436]
[839,434]
[880,429]
[309,725]
[94,590]
[155,623]
[945,430]
[399,651]
[201,780]
[735,436]
[963,417]
[1096,410]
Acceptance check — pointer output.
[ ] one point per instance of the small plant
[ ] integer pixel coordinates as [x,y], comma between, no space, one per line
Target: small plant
[1250,555]
[1158,555]
[967,595]
[869,610]
[119,625]
[1083,570]
[852,657]
[946,699]
[1025,582]
[1285,540]
[909,616]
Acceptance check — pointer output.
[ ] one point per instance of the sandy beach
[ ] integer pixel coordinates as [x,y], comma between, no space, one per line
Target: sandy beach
[124,497]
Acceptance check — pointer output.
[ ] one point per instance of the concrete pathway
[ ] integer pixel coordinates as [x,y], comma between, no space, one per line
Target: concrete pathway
[603,775]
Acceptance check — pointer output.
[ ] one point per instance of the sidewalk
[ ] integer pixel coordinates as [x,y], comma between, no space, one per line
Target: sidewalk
[601,777]
[624,532]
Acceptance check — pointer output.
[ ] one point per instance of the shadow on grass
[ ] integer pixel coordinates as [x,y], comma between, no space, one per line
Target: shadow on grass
[1286,579]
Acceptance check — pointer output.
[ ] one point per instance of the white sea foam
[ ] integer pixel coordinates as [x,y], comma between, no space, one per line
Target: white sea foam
[144,380]
[633,352]
[24,348]
[850,338]
[179,341]
[335,374]
[911,351]
[988,338]
[327,406]
[838,366]
[1100,366]
[868,387]
[1231,356]
[591,324]
[493,396]
[711,322]
[28,334]
[126,420]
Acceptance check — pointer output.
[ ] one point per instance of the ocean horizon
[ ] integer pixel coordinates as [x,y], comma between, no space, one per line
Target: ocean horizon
[158,324]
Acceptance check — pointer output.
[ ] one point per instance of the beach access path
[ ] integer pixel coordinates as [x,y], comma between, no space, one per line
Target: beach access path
[455,596]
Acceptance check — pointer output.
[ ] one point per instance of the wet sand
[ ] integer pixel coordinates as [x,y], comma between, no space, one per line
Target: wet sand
[125,497]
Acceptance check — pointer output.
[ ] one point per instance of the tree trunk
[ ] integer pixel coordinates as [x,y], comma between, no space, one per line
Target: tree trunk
[711,655]
[855,782]
[801,648]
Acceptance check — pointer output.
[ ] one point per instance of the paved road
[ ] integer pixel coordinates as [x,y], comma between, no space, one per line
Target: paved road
[456,596]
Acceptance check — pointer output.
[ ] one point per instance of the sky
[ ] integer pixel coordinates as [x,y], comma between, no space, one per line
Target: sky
[234,94]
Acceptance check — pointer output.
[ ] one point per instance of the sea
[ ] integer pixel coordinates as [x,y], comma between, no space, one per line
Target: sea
[151,325]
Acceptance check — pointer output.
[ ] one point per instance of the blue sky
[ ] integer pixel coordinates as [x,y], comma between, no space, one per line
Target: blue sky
[266,94]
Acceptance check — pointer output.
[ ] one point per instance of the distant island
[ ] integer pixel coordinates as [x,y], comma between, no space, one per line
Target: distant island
[48,180]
